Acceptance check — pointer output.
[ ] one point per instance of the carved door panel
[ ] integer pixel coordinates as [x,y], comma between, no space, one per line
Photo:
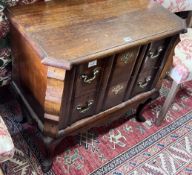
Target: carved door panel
[121,72]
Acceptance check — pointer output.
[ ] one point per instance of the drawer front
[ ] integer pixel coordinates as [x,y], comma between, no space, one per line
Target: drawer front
[88,77]
[83,106]
[154,54]
[144,82]
[121,72]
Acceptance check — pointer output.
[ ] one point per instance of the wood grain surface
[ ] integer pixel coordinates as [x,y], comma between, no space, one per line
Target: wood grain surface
[76,31]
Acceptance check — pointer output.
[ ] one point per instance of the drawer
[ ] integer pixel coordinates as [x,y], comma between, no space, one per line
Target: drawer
[144,81]
[121,72]
[83,106]
[88,77]
[154,54]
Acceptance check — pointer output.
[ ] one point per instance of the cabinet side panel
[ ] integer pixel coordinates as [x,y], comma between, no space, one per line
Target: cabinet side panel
[28,72]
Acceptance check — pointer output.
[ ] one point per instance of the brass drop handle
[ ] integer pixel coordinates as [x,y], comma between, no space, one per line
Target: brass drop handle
[87,79]
[145,83]
[156,54]
[83,109]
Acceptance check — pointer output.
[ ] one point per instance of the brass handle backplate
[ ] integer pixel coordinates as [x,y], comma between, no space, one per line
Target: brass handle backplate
[86,107]
[153,55]
[127,56]
[143,84]
[117,89]
[87,79]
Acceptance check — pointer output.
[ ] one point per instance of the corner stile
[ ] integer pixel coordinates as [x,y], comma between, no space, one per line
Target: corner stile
[53,99]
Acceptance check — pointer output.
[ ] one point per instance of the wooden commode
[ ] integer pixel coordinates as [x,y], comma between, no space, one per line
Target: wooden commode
[79,63]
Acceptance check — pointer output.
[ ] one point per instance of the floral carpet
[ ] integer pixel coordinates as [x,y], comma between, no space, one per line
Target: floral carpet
[119,148]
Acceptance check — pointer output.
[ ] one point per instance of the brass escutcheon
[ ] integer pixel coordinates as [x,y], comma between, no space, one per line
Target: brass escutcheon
[125,58]
[117,89]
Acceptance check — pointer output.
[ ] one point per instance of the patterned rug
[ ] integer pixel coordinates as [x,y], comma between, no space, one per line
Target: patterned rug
[119,148]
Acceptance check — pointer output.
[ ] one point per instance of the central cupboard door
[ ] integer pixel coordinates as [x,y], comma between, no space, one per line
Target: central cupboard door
[123,65]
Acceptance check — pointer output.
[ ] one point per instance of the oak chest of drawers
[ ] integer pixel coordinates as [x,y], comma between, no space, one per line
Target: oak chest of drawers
[80,63]
[76,59]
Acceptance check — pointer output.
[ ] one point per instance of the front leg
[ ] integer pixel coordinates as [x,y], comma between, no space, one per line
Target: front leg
[50,145]
[139,117]
[46,164]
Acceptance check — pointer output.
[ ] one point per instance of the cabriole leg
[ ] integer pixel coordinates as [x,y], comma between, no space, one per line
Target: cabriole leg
[50,149]
[139,117]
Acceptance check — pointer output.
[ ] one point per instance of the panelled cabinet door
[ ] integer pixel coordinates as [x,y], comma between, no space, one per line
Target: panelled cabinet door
[120,75]
[150,67]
